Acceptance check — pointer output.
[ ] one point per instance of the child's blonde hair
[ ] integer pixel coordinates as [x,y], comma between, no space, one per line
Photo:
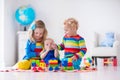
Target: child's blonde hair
[37,24]
[49,39]
[71,22]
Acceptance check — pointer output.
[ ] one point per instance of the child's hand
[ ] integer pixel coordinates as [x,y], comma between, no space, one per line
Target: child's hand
[74,58]
[54,46]
[48,49]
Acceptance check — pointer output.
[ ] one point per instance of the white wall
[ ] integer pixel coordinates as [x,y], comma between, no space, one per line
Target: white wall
[1,32]
[10,34]
[93,15]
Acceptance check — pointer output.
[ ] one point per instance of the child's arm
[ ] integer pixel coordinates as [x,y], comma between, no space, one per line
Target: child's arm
[82,51]
[56,53]
[83,48]
[44,53]
[61,46]
[29,53]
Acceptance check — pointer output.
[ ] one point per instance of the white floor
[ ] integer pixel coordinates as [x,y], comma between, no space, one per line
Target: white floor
[103,73]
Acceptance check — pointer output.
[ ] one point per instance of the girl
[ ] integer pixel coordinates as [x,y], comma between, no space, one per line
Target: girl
[37,35]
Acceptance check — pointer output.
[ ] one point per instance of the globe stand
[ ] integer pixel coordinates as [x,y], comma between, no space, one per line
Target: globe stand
[25,28]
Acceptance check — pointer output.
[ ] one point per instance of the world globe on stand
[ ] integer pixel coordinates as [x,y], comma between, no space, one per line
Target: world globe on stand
[25,15]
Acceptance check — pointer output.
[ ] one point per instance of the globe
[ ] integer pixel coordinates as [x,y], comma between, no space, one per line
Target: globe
[25,15]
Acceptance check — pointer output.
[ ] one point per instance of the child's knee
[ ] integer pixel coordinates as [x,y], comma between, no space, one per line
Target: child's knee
[76,64]
[24,65]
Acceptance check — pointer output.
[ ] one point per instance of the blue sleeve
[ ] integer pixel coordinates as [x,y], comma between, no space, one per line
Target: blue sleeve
[29,52]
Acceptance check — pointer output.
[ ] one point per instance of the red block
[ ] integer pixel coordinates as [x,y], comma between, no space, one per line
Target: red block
[70,64]
[115,62]
[105,60]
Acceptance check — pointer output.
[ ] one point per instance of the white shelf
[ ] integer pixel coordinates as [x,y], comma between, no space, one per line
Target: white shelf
[22,40]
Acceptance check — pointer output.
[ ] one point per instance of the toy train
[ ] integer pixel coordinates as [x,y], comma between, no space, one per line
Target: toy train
[67,64]
[38,65]
[53,65]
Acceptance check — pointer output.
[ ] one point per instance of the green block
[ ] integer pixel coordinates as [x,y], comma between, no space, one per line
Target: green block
[65,68]
[38,62]
[70,68]
[33,61]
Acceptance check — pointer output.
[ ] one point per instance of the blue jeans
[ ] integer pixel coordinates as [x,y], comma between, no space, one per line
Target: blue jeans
[76,63]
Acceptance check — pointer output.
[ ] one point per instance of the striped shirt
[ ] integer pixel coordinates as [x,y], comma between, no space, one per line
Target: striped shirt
[32,49]
[74,45]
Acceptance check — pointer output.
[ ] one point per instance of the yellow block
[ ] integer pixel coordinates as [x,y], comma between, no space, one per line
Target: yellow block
[69,60]
[108,62]
[38,44]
